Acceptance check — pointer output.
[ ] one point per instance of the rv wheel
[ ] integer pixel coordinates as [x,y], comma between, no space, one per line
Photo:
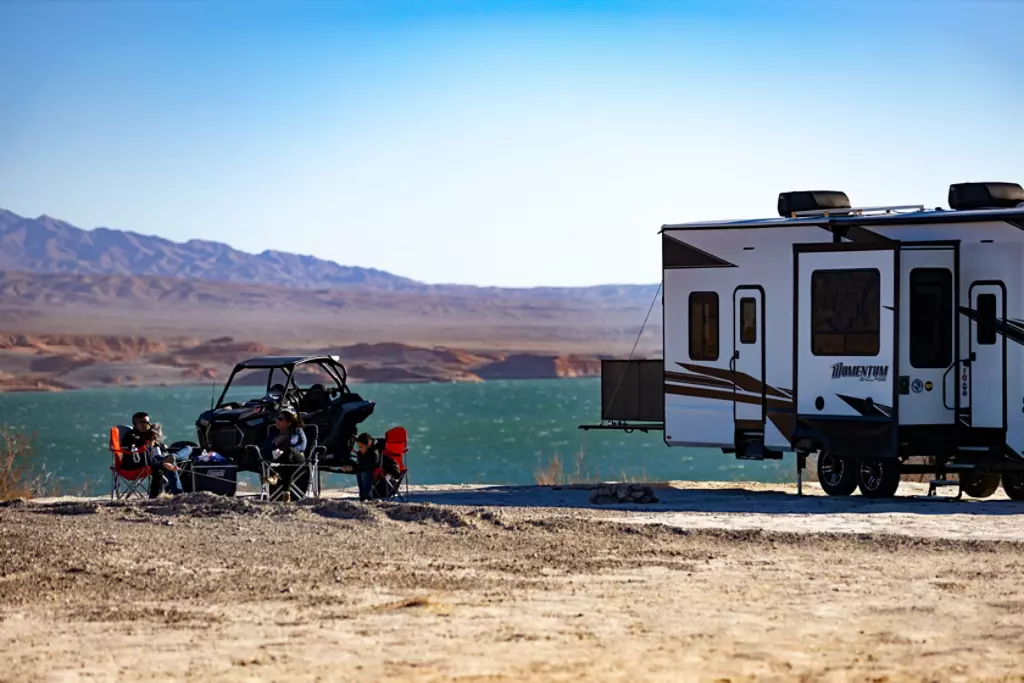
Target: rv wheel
[1013,485]
[979,485]
[837,476]
[878,478]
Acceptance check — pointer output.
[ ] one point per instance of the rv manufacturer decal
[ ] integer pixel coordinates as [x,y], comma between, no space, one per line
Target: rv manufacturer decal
[865,373]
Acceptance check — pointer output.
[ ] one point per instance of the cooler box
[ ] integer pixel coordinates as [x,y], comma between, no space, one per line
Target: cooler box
[220,478]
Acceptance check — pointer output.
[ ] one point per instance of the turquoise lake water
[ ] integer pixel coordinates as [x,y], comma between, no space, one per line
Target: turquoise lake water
[497,432]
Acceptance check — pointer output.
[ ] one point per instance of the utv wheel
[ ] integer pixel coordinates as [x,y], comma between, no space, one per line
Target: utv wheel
[979,485]
[878,478]
[1013,485]
[837,476]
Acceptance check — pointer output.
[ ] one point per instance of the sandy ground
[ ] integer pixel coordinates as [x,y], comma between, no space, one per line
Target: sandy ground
[714,582]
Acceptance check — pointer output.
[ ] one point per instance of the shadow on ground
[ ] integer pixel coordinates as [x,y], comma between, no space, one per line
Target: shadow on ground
[671,499]
[732,500]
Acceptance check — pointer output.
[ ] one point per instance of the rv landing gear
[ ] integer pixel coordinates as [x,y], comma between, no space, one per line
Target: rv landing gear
[837,476]
[1013,485]
[979,485]
[878,478]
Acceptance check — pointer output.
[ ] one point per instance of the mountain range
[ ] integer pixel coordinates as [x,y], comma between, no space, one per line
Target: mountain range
[47,245]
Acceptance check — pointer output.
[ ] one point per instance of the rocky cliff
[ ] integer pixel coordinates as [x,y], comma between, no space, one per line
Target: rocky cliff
[61,362]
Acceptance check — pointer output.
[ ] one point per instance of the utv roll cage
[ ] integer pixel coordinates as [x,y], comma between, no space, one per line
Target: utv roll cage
[331,365]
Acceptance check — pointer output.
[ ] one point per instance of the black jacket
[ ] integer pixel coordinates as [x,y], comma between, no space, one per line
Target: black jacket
[370,460]
[142,440]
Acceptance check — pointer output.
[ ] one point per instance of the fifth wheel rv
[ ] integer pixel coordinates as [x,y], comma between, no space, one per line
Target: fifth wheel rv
[869,336]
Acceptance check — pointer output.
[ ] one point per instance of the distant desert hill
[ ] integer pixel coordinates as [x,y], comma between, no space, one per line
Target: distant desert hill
[52,246]
[59,362]
[58,280]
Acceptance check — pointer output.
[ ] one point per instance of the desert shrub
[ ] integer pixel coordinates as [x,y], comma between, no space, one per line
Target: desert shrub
[21,474]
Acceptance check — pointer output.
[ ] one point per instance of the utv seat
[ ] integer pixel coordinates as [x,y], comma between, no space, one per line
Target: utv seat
[315,399]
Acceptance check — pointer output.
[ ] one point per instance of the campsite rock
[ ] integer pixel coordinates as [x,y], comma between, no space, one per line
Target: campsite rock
[621,493]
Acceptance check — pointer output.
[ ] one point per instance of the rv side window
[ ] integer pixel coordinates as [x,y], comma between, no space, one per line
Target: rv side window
[986,319]
[703,326]
[931,318]
[748,321]
[845,311]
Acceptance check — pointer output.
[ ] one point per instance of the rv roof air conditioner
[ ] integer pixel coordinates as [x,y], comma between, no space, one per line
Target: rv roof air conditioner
[811,200]
[969,196]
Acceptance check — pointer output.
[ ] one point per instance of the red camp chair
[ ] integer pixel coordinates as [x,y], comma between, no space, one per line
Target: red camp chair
[396,447]
[130,472]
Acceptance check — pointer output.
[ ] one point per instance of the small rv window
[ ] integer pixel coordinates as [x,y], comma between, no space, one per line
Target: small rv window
[703,326]
[931,318]
[845,311]
[748,321]
[986,319]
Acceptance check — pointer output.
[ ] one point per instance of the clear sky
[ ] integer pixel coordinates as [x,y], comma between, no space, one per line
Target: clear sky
[497,143]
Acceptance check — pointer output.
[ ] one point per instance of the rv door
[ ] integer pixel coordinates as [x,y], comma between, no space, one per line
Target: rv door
[987,355]
[748,357]
[844,355]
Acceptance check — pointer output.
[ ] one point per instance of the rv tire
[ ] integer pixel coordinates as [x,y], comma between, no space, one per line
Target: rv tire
[878,478]
[979,485]
[836,475]
[1013,485]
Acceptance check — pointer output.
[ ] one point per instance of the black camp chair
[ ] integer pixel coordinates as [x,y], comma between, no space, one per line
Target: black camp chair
[305,481]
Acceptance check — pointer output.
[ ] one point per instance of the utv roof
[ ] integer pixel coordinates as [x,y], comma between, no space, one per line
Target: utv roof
[285,361]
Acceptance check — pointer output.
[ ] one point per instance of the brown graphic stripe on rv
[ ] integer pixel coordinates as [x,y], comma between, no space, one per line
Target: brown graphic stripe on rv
[743,381]
[698,379]
[724,395]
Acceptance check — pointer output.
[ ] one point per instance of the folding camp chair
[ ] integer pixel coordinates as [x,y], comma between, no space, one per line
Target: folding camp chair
[130,472]
[305,481]
[396,447]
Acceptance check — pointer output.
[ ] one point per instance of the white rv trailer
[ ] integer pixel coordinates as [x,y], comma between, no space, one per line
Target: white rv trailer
[867,335]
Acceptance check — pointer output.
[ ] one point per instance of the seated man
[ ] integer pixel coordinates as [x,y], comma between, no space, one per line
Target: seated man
[147,437]
[369,458]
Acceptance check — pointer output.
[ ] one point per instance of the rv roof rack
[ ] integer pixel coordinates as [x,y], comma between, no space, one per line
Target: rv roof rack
[857,210]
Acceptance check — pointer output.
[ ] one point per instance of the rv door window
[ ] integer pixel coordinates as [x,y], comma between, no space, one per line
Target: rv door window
[986,319]
[845,311]
[748,321]
[931,318]
[703,326]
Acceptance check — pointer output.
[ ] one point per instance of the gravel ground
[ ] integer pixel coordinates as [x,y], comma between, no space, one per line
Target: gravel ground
[202,588]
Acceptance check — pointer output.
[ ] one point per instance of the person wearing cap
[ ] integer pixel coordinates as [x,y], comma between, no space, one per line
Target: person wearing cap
[288,447]
[147,438]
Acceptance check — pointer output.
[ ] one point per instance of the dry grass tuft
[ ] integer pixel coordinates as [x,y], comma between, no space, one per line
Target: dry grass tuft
[555,474]
[20,475]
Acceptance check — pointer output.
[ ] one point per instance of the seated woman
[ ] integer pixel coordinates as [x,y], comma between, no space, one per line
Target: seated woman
[288,447]
[369,458]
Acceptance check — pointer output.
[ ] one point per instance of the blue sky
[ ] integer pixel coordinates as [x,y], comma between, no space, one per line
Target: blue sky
[496,143]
